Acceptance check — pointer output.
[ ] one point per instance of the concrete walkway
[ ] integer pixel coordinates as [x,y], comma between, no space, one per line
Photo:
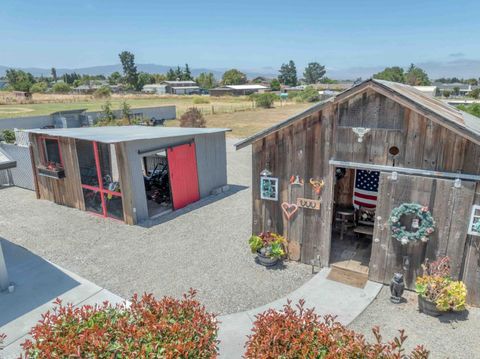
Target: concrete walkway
[37,284]
[326,296]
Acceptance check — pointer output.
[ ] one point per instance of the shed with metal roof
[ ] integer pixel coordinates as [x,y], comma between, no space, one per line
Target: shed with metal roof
[129,173]
[339,179]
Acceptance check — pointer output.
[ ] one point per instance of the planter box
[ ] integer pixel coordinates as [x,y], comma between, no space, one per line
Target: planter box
[266,261]
[57,174]
[427,307]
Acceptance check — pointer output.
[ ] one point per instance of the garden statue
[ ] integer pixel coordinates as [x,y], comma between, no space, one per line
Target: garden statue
[397,286]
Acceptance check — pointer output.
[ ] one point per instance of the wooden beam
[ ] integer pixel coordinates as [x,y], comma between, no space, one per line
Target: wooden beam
[412,171]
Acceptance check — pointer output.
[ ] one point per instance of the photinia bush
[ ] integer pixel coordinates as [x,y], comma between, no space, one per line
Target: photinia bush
[2,339]
[300,333]
[149,328]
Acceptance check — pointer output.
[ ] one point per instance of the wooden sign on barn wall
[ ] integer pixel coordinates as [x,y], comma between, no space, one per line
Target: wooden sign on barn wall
[308,203]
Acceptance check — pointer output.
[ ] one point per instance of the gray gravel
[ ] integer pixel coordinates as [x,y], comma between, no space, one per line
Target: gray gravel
[449,336]
[204,247]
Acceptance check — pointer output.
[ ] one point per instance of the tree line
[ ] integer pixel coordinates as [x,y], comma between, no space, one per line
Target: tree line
[132,79]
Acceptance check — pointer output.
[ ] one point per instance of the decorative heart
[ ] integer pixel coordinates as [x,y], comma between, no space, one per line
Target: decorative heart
[289,209]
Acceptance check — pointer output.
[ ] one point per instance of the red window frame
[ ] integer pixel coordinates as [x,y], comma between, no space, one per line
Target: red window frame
[100,186]
[44,156]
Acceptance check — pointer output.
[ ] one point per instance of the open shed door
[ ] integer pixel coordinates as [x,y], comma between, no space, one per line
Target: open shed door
[450,208]
[182,164]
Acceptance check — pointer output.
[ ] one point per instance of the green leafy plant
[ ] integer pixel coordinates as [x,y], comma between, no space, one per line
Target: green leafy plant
[269,244]
[61,87]
[193,118]
[148,328]
[8,136]
[102,92]
[297,332]
[264,100]
[437,287]
[309,94]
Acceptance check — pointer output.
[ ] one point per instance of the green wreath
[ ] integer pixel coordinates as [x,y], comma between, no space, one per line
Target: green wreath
[425,227]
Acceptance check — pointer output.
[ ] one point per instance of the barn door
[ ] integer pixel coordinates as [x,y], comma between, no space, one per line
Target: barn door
[182,164]
[449,206]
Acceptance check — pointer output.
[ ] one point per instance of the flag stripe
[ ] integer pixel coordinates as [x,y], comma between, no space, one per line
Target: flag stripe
[366,188]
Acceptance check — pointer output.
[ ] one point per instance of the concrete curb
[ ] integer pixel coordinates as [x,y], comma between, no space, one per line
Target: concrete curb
[326,296]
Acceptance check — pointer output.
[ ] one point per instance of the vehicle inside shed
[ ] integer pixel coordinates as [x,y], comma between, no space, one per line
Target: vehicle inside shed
[157,183]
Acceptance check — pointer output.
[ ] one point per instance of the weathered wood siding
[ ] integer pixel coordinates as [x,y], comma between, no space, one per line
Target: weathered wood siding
[422,143]
[302,149]
[450,208]
[66,191]
[305,147]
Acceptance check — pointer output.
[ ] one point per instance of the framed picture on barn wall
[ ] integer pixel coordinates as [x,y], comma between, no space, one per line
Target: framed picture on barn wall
[474,226]
[269,188]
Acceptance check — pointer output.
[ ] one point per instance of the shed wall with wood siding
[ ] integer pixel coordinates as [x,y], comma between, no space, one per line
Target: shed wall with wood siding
[305,146]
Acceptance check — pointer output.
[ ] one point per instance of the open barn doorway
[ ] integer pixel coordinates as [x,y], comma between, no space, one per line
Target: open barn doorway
[355,199]
[156,177]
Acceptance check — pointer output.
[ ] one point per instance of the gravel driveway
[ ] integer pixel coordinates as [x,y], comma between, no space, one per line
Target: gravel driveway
[448,336]
[203,247]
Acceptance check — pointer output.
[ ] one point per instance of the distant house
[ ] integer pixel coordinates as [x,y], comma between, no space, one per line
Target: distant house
[238,90]
[463,89]
[159,89]
[181,87]
[89,89]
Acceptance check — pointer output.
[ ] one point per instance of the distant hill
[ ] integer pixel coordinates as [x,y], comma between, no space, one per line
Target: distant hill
[466,68]
[150,68]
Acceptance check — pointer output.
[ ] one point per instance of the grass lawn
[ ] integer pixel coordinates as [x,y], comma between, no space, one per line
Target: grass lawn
[236,113]
[46,104]
[246,123]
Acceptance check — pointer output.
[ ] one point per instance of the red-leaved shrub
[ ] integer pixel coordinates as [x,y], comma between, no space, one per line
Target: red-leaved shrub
[2,339]
[149,328]
[300,333]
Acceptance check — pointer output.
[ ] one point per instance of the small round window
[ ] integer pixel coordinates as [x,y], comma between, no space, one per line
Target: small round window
[394,150]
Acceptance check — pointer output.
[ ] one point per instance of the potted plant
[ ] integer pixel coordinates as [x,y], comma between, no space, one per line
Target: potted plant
[437,292]
[269,248]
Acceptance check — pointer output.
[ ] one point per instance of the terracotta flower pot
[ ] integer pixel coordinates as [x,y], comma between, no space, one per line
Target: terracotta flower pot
[428,307]
[266,261]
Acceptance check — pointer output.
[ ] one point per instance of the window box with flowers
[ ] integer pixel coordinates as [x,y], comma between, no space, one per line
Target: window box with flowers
[51,159]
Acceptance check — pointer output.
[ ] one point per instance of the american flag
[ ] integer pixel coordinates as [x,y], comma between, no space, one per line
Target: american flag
[366,188]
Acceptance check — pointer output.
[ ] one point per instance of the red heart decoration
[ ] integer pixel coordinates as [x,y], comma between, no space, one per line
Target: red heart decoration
[289,209]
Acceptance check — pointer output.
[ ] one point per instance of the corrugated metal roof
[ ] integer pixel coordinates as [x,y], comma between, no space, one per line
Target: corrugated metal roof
[247,87]
[6,162]
[115,134]
[450,113]
[465,124]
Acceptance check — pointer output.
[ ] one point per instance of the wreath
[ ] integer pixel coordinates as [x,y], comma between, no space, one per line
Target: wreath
[425,223]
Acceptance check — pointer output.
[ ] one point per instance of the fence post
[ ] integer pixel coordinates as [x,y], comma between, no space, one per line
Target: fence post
[4,283]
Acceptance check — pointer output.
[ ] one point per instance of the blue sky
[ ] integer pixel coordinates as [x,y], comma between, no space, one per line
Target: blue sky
[246,34]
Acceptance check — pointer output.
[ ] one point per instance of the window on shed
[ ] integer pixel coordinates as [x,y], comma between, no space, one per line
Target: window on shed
[52,152]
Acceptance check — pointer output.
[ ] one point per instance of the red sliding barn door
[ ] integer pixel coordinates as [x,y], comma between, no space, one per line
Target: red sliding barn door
[182,164]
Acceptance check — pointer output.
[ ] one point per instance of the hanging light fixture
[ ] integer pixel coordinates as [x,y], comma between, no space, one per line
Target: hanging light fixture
[265,173]
[457,183]
[394,176]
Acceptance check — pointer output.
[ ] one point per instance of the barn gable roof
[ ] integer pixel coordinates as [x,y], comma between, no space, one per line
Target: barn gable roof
[458,121]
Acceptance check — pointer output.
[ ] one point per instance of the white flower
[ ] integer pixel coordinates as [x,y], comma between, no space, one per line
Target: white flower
[404,240]
[424,239]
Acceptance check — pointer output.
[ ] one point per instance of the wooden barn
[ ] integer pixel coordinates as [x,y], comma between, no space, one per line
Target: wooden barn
[372,182]
[130,173]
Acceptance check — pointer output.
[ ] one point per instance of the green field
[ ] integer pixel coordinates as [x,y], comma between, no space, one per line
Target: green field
[220,105]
